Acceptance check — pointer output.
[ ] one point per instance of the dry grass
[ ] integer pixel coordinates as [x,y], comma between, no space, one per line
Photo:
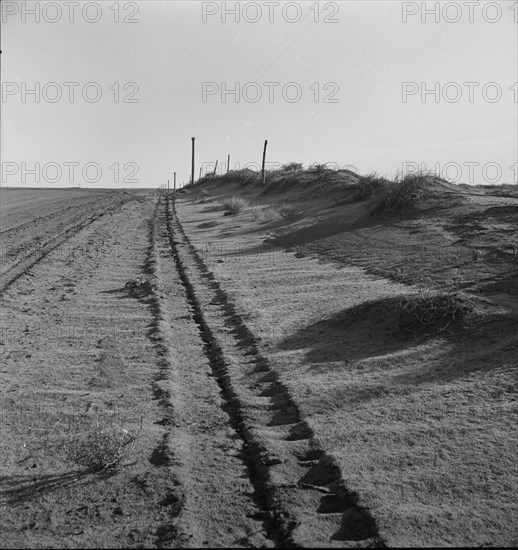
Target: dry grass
[322,172]
[410,189]
[292,167]
[98,449]
[289,175]
[371,185]
[242,177]
[142,285]
[234,205]
[288,212]
[504,190]
[428,312]
[264,214]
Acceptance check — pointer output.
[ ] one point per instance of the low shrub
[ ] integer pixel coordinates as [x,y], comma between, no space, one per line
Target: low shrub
[322,171]
[98,449]
[371,185]
[141,286]
[234,205]
[410,189]
[241,177]
[263,214]
[292,167]
[428,312]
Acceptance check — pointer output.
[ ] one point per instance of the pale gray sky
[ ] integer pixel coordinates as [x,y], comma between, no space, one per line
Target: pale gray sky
[363,61]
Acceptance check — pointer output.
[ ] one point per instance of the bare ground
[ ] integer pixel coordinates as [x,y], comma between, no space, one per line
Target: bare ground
[242,379]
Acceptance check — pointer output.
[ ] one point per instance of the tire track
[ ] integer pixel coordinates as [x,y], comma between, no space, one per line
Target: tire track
[47,217]
[36,255]
[219,505]
[301,488]
[93,367]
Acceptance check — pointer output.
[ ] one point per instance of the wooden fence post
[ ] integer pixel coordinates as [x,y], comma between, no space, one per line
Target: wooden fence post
[215,168]
[192,164]
[264,159]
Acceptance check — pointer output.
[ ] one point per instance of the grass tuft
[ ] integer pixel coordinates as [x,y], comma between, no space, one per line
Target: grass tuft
[98,449]
[287,212]
[234,205]
[141,286]
[426,312]
[241,177]
[410,189]
[371,185]
[263,214]
[292,167]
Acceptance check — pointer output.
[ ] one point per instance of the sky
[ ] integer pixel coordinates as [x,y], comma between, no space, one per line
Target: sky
[120,88]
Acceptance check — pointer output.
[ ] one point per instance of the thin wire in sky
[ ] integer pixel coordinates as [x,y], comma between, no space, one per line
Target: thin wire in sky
[255,75]
[269,63]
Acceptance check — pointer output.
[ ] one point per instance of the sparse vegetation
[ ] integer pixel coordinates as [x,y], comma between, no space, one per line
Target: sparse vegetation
[322,171]
[289,174]
[292,167]
[411,392]
[288,211]
[98,449]
[371,185]
[256,213]
[409,189]
[263,214]
[402,191]
[234,205]
[427,312]
[242,177]
[140,286]
[504,190]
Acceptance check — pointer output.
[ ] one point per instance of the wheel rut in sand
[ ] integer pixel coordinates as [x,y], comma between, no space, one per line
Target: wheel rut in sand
[18,256]
[78,368]
[299,490]
[220,506]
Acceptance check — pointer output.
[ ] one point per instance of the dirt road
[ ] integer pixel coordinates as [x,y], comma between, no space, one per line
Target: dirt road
[136,407]
[174,377]
[422,425]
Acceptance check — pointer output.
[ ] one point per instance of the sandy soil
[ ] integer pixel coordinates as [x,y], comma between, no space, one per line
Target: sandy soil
[175,377]
[423,428]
